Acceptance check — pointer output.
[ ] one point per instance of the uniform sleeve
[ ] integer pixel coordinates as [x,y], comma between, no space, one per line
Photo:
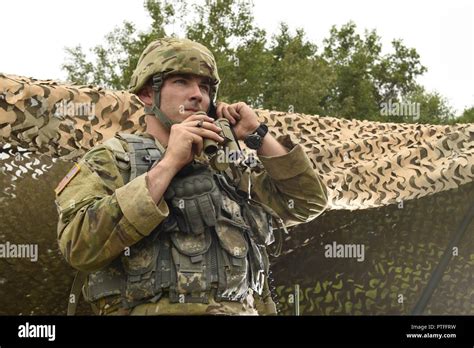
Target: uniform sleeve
[99,216]
[288,185]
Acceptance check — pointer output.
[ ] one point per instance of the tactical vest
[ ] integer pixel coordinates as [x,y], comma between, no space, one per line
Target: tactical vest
[214,238]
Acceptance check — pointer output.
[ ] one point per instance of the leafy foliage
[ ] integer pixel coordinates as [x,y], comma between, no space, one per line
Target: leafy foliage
[349,77]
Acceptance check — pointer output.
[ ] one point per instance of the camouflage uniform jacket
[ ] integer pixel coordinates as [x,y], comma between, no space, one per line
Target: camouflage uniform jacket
[99,216]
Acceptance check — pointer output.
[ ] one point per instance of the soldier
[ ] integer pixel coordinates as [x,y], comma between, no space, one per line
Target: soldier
[153,228]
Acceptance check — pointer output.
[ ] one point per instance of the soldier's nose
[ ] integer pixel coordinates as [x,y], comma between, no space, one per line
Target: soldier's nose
[196,93]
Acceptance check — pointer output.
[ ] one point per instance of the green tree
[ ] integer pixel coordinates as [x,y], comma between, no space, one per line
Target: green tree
[467,116]
[297,79]
[115,60]
[349,77]
[433,107]
[227,28]
[364,77]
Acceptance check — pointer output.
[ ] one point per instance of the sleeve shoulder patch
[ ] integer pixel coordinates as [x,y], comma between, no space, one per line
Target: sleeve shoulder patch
[72,173]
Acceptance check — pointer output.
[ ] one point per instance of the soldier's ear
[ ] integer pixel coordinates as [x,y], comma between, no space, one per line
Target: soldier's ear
[146,95]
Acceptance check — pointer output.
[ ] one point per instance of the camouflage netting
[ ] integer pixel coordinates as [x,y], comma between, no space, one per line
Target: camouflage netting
[364,164]
[425,170]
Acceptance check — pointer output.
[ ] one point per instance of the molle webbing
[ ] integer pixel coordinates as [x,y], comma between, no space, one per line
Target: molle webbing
[143,153]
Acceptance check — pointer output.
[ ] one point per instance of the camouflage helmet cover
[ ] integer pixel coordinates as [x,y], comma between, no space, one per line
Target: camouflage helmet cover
[171,56]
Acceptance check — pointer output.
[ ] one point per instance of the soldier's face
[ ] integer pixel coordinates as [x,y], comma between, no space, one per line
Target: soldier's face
[184,95]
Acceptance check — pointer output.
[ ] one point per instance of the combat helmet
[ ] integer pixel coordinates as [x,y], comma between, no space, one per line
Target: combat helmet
[171,56]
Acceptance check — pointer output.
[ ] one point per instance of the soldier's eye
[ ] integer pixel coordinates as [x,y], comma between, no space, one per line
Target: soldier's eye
[205,88]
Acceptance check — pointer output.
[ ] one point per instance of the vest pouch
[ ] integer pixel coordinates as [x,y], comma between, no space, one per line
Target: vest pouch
[140,267]
[191,260]
[106,282]
[232,259]
[260,223]
[231,210]
[231,237]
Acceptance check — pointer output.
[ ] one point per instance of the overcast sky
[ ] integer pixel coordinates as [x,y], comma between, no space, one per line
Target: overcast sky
[34,33]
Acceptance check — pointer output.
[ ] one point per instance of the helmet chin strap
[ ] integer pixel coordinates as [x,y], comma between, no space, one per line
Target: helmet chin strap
[165,121]
[155,108]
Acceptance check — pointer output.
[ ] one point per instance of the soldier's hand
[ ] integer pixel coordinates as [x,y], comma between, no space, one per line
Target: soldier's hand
[186,140]
[242,118]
